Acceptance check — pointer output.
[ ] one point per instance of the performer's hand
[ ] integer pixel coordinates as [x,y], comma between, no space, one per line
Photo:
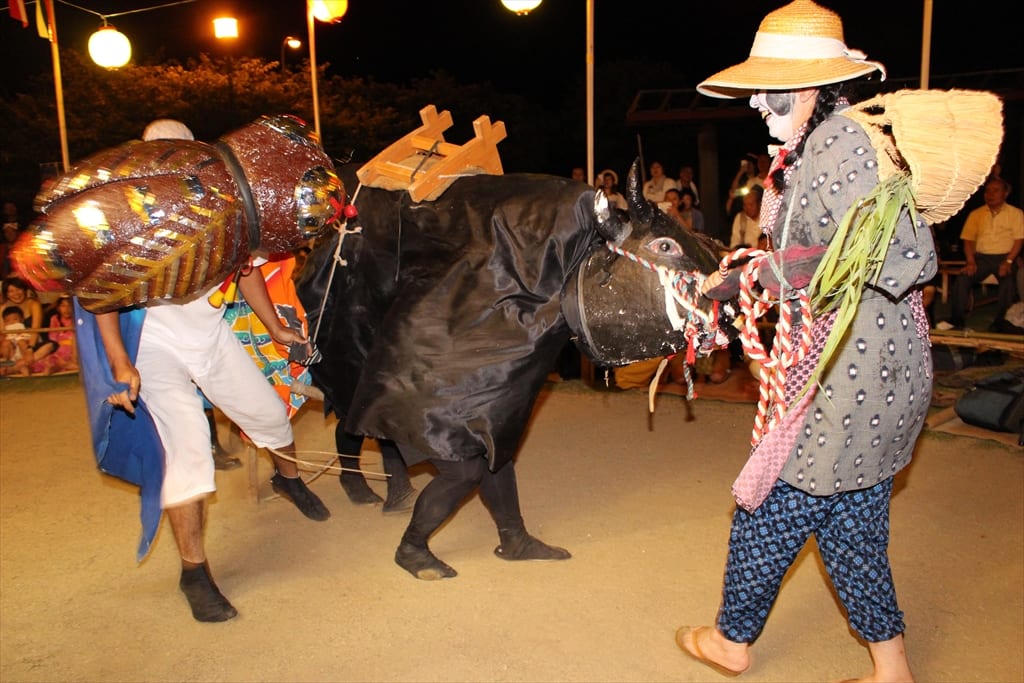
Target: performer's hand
[721,288]
[796,263]
[286,336]
[127,375]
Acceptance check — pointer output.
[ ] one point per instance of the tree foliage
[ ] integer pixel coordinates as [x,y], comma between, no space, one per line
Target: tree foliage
[358,117]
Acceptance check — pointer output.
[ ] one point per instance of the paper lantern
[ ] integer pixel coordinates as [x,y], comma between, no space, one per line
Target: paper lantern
[110,48]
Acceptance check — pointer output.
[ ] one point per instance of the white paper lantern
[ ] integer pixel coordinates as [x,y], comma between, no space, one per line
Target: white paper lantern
[110,48]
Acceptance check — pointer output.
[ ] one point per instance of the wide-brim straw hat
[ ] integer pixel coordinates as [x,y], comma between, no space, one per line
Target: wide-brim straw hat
[797,46]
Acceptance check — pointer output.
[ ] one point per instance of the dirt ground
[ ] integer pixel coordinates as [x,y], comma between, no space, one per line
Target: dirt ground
[643,504]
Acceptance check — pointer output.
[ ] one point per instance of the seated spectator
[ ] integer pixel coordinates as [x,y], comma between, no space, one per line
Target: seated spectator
[993,236]
[678,205]
[62,333]
[659,183]
[15,352]
[16,292]
[746,227]
[686,181]
[609,182]
[670,206]
[692,217]
[17,356]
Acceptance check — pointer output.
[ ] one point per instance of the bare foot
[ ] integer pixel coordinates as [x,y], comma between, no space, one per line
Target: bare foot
[708,646]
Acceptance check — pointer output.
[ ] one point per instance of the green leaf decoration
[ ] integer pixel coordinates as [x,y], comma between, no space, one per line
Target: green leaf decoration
[854,258]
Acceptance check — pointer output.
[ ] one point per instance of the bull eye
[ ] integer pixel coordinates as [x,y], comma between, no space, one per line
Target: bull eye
[665,246]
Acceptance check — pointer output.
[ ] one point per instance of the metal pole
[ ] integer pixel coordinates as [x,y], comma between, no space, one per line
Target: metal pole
[590,91]
[58,85]
[926,43]
[310,25]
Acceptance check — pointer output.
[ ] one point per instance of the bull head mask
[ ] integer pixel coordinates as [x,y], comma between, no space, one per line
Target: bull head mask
[618,302]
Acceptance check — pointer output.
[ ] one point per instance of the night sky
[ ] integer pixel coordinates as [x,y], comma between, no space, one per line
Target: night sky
[538,55]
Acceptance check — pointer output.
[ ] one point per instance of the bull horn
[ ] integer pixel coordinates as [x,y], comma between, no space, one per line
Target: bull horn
[639,207]
[609,223]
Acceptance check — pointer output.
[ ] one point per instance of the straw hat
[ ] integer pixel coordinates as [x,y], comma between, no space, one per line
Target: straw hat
[614,175]
[797,46]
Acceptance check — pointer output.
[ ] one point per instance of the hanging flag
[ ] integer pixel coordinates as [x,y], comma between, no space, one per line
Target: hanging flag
[18,13]
[42,23]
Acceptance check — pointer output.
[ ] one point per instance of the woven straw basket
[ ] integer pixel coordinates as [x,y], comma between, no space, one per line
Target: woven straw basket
[946,139]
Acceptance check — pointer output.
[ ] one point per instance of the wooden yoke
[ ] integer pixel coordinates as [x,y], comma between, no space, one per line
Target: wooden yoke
[425,165]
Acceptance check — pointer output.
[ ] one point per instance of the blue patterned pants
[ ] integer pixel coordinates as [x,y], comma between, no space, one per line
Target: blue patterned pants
[852,531]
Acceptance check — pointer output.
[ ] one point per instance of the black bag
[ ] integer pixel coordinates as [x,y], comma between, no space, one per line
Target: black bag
[995,402]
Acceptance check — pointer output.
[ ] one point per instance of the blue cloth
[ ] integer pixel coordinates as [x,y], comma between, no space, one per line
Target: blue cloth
[852,533]
[126,446]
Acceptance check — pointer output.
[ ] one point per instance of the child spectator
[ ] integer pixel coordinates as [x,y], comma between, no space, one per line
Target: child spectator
[62,334]
[15,349]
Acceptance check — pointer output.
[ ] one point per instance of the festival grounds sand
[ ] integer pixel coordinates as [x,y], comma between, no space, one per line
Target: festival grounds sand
[643,505]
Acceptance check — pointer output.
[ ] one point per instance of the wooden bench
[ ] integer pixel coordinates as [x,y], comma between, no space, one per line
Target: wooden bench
[953,268]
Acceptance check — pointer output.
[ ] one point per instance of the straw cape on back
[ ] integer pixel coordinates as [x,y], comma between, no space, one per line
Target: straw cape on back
[946,140]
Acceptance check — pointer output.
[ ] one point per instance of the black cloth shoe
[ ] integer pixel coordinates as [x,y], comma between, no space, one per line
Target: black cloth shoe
[357,490]
[519,545]
[299,494]
[205,599]
[422,563]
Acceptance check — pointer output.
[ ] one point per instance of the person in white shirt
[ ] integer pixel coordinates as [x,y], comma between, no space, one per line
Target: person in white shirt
[658,184]
[746,227]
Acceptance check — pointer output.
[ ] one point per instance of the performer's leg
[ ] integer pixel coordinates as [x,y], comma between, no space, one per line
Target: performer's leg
[854,548]
[401,493]
[500,493]
[454,481]
[232,383]
[762,546]
[205,599]
[288,484]
[349,446]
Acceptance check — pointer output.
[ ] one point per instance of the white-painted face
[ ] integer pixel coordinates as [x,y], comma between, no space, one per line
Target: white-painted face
[784,112]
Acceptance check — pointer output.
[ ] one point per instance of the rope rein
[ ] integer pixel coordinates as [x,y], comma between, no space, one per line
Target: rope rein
[343,231]
[702,332]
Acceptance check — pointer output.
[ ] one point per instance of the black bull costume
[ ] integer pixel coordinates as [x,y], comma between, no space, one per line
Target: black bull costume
[438,321]
[441,320]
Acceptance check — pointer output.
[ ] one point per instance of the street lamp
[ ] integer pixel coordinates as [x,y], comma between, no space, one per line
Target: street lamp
[331,12]
[226,28]
[290,42]
[522,7]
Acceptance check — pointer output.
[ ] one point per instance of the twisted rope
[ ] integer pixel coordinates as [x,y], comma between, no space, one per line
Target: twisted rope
[785,353]
[682,290]
[338,261]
